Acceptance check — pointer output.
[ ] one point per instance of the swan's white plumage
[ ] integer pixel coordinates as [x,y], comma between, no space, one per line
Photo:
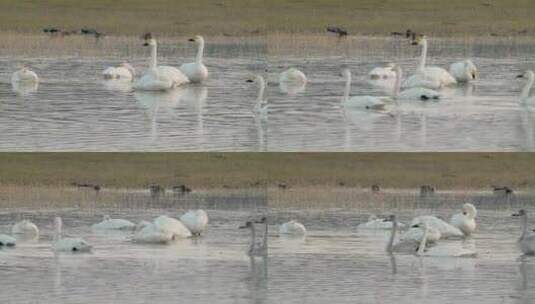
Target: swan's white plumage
[114,224]
[176,227]
[67,244]
[24,75]
[124,72]
[292,228]
[361,102]
[293,75]
[378,223]
[195,220]
[25,227]
[417,233]
[524,96]
[465,221]
[150,233]
[446,230]
[412,94]
[6,240]
[261,107]
[196,71]
[382,72]
[463,71]
[442,250]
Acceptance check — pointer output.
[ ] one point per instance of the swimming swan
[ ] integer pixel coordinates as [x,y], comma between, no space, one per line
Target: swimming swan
[382,72]
[446,230]
[67,244]
[524,96]
[25,227]
[114,224]
[464,71]
[172,225]
[8,241]
[292,228]
[260,249]
[440,250]
[24,75]
[153,79]
[195,220]
[123,72]
[292,75]
[403,246]
[416,233]
[526,241]
[196,71]
[428,77]
[361,102]
[422,94]
[261,105]
[465,220]
[375,222]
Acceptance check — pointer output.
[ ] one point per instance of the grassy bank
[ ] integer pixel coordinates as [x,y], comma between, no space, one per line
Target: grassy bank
[244,170]
[256,17]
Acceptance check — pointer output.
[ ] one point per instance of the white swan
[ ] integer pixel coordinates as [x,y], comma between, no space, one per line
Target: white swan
[526,241]
[256,249]
[114,224]
[383,72]
[525,99]
[24,75]
[25,227]
[8,241]
[446,230]
[196,71]
[292,228]
[123,72]
[442,250]
[195,220]
[361,102]
[465,220]
[402,246]
[172,225]
[24,88]
[261,106]
[147,232]
[67,244]
[416,233]
[375,222]
[464,71]
[429,77]
[292,75]
[422,94]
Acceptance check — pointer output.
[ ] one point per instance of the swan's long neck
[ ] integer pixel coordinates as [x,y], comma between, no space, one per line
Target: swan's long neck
[265,241]
[527,88]
[524,227]
[253,238]
[261,89]
[200,51]
[397,85]
[153,56]
[390,243]
[57,229]
[423,57]
[348,87]
[421,247]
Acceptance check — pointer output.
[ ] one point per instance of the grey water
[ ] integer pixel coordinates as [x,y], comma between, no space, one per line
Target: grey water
[336,262]
[73,109]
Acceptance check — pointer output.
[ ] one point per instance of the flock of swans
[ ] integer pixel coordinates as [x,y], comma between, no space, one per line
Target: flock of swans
[421,238]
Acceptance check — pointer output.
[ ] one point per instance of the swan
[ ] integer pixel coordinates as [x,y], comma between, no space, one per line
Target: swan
[25,227]
[361,102]
[416,233]
[429,77]
[24,88]
[404,245]
[147,232]
[114,224]
[123,72]
[292,75]
[24,75]
[260,249]
[195,220]
[153,79]
[196,71]
[172,225]
[524,96]
[446,230]
[465,220]
[375,222]
[526,241]
[261,105]
[422,94]
[8,241]
[292,228]
[67,244]
[441,251]
[382,72]
[464,71]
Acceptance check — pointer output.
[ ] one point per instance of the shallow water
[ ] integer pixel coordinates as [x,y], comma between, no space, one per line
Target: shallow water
[73,109]
[336,262]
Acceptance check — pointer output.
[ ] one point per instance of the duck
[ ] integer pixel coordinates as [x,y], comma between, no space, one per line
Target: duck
[67,244]
[114,224]
[196,221]
[465,221]
[196,71]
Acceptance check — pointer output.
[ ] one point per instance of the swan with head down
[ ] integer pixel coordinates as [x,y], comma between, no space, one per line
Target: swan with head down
[464,71]
[466,220]
[123,72]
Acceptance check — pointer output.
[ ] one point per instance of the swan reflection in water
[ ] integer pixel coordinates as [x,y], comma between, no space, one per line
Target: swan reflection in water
[24,88]
[292,88]
[117,85]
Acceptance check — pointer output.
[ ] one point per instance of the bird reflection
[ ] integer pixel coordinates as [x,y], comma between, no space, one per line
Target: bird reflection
[291,88]
[23,88]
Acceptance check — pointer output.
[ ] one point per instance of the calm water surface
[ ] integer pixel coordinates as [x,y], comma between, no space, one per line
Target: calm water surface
[335,263]
[73,109]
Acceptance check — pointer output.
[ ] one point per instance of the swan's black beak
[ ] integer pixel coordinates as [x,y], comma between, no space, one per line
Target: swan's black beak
[414,43]
[520,76]
[242,227]
[261,221]
[146,44]
[415,226]
[474,76]
[464,213]
[191,40]
[249,80]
